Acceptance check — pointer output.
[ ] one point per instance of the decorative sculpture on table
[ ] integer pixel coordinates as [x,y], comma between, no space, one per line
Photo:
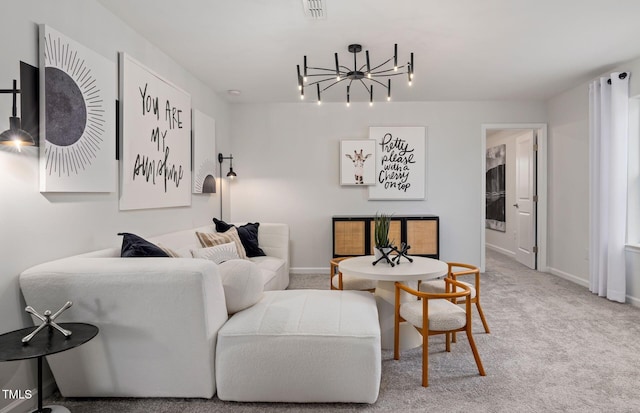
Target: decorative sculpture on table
[47,320]
[402,253]
[384,247]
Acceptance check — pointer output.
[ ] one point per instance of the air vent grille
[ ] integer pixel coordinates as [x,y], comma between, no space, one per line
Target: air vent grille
[314,9]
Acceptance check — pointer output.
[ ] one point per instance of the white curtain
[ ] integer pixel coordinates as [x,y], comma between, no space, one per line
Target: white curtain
[608,137]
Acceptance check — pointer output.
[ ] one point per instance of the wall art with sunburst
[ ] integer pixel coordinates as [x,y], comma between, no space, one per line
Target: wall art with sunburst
[77,116]
[204,153]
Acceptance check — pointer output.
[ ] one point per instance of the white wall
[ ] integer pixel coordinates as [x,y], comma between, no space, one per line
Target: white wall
[39,227]
[286,157]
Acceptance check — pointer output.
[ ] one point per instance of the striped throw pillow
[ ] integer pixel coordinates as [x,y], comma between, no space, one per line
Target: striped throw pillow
[211,239]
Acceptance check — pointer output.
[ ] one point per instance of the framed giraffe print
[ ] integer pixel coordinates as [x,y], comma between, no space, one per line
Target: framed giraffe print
[357,162]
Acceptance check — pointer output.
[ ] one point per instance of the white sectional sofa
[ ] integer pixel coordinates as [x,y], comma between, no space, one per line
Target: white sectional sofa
[166,329]
[158,317]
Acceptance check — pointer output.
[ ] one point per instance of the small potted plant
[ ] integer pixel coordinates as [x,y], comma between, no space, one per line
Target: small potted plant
[381,234]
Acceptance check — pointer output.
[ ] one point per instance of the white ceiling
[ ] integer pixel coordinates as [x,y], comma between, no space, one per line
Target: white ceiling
[464,49]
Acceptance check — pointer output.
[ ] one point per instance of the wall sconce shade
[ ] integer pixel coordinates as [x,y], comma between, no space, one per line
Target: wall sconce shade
[230,174]
[15,135]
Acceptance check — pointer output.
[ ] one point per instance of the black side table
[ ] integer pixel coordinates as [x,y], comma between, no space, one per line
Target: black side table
[46,342]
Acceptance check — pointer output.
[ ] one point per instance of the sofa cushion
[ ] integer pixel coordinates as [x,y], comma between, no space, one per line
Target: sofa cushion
[270,267]
[302,346]
[248,234]
[242,283]
[210,239]
[136,246]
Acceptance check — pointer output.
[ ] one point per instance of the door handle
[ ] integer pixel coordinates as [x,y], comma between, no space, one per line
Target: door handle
[516,205]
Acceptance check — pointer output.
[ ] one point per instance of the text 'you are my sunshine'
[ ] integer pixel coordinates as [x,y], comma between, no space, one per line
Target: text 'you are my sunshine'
[147,165]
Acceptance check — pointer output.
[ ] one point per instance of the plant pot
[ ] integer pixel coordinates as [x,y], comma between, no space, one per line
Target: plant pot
[378,254]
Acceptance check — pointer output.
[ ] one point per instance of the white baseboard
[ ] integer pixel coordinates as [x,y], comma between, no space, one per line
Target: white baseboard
[634,301]
[569,277]
[20,406]
[500,250]
[307,270]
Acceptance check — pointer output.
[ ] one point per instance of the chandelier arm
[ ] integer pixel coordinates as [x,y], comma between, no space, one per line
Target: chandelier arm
[389,70]
[377,81]
[335,83]
[387,75]
[321,68]
[321,80]
[381,64]
[323,74]
[365,86]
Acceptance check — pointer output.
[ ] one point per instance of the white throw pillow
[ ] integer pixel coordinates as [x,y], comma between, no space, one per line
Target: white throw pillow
[242,283]
[218,254]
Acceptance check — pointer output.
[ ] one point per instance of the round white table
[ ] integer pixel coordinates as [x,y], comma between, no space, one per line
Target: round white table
[421,268]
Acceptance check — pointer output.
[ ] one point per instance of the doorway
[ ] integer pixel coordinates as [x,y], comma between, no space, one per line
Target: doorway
[517,214]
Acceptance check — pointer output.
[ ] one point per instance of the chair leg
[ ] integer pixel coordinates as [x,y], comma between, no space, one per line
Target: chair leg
[484,320]
[476,356]
[425,359]
[448,341]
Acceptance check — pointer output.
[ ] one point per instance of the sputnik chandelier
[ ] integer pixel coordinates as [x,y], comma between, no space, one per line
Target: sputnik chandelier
[364,75]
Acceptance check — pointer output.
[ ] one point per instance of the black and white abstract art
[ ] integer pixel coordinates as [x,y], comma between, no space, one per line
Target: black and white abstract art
[496,188]
[77,116]
[204,153]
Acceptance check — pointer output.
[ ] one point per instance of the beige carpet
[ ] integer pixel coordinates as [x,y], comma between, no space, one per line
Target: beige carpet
[553,347]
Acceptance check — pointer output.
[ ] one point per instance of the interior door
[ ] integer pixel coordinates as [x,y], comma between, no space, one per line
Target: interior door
[525,205]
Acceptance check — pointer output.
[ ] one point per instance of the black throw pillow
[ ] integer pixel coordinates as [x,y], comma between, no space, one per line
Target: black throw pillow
[135,246]
[248,234]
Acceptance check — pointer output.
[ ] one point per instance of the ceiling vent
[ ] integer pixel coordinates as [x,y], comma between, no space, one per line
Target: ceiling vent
[314,9]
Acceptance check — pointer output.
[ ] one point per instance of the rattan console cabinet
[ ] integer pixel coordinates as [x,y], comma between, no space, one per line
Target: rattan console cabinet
[353,235]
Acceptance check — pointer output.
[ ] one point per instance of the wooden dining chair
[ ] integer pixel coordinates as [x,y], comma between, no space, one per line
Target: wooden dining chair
[457,269]
[341,281]
[435,313]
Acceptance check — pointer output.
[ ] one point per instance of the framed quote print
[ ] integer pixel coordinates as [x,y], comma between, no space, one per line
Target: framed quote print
[156,139]
[401,163]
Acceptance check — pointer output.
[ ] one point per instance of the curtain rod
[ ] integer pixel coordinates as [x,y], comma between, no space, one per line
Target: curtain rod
[621,76]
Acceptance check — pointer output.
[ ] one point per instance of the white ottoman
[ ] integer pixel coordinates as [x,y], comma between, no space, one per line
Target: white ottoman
[301,346]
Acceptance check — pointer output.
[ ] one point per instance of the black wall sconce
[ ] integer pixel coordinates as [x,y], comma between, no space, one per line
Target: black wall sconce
[221,158]
[15,135]
[231,174]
